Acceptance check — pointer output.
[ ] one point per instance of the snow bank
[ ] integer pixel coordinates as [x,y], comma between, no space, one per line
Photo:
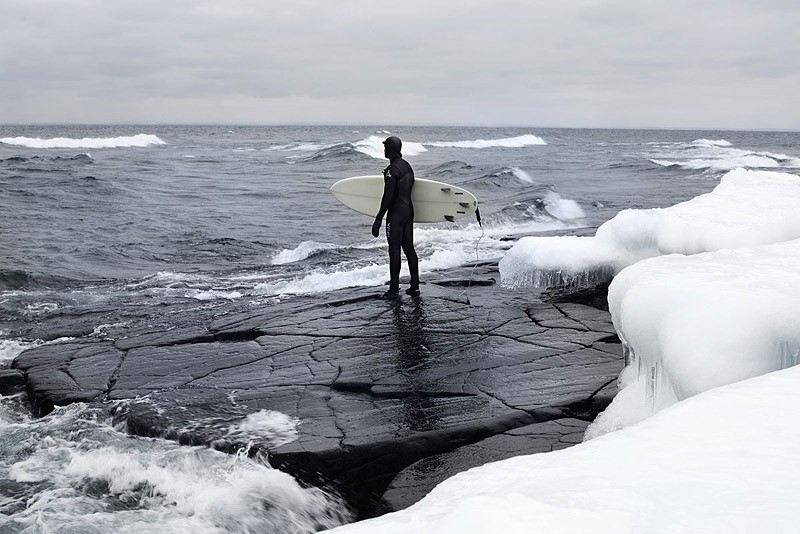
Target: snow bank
[692,323]
[721,462]
[747,208]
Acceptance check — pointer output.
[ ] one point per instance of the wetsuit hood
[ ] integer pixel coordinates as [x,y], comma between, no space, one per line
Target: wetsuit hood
[392,147]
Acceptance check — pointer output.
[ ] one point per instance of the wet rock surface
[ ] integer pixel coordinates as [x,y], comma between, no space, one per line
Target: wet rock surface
[376,384]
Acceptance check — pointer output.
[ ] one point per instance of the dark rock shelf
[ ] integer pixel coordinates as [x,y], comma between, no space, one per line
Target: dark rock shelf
[377,385]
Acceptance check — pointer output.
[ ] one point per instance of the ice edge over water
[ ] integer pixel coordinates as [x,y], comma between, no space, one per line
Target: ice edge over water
[693,323]
[747,208]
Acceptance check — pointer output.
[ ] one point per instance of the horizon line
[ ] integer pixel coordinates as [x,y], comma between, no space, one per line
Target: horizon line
[401,125]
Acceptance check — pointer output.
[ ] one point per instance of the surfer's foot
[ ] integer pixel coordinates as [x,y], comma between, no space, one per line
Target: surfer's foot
[391,294]
[413,291]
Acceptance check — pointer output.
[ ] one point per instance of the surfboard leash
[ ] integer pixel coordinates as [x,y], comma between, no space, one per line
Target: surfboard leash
[477,257]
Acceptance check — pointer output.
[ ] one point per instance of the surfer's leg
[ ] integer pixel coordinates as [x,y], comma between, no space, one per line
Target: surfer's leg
[394,235]
[411,255]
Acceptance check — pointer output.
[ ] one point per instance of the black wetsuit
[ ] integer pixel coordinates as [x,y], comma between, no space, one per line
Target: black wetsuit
[396,204]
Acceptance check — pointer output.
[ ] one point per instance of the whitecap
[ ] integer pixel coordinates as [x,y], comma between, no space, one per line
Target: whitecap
[301,252]
[138,140]
[373,146]
[505,142]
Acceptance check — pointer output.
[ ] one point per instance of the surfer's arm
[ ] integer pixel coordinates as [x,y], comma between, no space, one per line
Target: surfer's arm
[389,186]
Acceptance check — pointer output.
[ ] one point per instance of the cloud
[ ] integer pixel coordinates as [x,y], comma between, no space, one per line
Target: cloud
[579,63]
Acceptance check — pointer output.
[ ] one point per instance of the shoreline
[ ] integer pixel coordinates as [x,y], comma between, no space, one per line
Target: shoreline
[378,387]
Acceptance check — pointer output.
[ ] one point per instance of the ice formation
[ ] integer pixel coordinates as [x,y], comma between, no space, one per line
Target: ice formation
[747,208]
[721,462]
[692,323]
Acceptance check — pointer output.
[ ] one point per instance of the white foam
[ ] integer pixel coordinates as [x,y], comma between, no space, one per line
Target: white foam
[521,175]
[439,248]
[564,209]
[139,140]
[692,323]
[373,146]
[505,142]
[301,252]
[300,147]
[719,155]
[275,427]
[11,348]
[710,142]
[214,294]
[747,208]
[719,463]
[83,465]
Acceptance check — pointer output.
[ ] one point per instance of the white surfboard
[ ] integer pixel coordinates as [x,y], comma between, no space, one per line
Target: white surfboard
[433,201]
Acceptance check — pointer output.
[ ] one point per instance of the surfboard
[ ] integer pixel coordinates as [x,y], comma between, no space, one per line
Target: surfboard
[433,201]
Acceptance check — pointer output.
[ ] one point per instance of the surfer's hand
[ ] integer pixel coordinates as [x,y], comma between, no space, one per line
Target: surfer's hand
[376,228]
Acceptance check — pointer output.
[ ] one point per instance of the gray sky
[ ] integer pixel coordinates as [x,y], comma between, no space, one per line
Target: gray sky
[615,63]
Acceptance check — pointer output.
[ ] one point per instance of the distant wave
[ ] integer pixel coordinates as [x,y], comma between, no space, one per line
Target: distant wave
[718,155]
[86,158]
[505,142]
[373,146]
[139,140]
[751,160]
[450,167]
[299,147]
[504,177]
[710,142]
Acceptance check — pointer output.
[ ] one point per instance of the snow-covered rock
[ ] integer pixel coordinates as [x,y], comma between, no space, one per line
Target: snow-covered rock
[724,461]
[747,208]
[692,323]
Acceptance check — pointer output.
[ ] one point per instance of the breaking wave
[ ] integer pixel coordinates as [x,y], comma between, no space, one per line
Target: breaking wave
[718,155]
[139,140]
[299,147]
[710,142]
[73,472]
[309,249]
[502,178]
[440,248]
[505,142]
[372,146]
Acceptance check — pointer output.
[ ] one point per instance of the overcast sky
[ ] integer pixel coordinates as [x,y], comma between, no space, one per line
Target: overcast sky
[614,63]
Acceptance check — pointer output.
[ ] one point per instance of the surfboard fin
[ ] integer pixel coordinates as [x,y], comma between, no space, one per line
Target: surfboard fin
[449,218]
[446,190]
[464,204]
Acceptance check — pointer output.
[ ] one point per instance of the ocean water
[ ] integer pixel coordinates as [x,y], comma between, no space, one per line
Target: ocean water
[112,227]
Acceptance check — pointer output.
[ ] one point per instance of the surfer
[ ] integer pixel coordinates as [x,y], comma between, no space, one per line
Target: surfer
[398,179]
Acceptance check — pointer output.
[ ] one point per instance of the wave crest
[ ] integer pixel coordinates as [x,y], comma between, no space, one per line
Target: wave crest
[505,142]
[138,140]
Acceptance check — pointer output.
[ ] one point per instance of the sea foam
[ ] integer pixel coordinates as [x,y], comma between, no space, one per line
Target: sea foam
[505,142]
[139,140]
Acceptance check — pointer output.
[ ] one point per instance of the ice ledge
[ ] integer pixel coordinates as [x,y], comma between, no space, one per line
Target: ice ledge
[693,323]
[747,208]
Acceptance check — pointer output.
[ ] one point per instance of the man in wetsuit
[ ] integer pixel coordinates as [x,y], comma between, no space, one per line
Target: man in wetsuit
[398,181]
